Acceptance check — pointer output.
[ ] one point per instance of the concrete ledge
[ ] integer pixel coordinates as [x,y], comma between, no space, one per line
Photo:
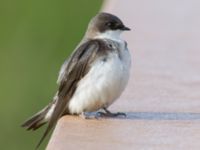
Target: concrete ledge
[76,133]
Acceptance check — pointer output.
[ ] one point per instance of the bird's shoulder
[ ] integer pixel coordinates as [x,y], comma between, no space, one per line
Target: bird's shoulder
[98,43]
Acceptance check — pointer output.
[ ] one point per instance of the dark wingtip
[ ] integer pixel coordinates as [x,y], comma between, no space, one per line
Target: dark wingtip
[43,137]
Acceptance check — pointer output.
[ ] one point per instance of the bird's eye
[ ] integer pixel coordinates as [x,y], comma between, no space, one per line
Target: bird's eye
[108,24]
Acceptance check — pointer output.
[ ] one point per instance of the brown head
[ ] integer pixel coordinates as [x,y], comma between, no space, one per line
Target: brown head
[104,22]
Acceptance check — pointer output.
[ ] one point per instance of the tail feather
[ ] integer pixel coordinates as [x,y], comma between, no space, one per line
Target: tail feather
[37,120]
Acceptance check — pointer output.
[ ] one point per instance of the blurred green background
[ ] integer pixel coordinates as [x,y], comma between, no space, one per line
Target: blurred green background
[36,36]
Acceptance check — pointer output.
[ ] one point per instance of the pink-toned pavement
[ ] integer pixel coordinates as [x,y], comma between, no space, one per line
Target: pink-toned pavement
[162,99]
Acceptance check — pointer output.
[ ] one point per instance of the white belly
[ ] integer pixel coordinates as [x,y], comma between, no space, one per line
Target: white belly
[102,85]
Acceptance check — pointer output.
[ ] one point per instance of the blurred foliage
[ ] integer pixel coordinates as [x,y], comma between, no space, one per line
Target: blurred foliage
[36,36]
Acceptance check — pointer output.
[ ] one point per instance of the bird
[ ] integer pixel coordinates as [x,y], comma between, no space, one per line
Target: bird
[92,78]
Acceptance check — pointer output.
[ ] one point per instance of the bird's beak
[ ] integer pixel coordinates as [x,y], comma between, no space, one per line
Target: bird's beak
[125,28]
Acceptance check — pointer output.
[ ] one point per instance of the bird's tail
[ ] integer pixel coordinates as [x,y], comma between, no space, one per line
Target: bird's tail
[39,119]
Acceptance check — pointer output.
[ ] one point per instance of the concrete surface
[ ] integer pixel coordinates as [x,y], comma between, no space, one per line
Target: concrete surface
[162,99]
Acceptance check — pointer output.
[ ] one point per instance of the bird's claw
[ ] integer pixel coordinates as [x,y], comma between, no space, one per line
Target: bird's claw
[107,113]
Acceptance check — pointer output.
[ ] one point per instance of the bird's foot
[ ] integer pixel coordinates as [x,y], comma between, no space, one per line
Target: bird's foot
[87,115]
[107,113]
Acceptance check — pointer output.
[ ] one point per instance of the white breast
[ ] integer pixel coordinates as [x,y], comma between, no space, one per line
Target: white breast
[103,84]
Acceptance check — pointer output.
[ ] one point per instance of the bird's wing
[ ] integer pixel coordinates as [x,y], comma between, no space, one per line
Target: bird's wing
[62,72]
[77,67]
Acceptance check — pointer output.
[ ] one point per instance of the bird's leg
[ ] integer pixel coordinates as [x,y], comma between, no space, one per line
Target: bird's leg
[86,115]
[107,113]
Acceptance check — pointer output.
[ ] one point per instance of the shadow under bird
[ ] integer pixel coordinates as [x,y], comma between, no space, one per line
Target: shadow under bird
[92,78]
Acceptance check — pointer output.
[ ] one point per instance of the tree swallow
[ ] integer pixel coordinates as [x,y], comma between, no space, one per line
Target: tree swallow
[92,78]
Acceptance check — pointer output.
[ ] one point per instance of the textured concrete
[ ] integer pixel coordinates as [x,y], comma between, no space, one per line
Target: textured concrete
[162,99]
[73,133]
